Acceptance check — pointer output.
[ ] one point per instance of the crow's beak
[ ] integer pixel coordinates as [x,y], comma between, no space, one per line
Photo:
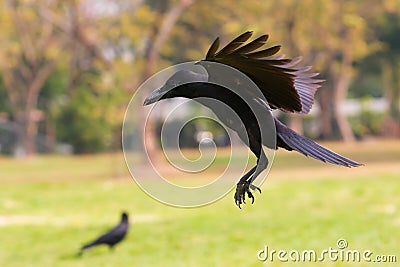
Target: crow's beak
[153,96]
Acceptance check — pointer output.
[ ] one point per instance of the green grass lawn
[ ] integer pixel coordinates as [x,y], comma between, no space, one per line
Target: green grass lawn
[51,205]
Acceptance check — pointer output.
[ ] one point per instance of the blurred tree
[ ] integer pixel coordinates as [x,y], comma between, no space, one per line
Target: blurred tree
[37,37]
[133,36]
[28,55]
[388,31]
[303,28]
[162,27]
[377,73]
[333,48]
[51,100]
[83,67]
[61,59]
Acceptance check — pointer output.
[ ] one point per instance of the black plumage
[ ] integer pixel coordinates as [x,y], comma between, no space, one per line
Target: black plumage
[112,237]
[283,86]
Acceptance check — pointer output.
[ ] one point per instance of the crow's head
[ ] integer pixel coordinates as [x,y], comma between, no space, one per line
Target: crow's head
[124,216]
[173,87]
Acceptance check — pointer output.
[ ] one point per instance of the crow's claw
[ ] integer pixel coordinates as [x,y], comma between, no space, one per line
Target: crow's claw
[253,187]
[250,195]
[241,189]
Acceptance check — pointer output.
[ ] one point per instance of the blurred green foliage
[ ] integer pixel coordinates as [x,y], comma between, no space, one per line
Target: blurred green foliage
[367,123]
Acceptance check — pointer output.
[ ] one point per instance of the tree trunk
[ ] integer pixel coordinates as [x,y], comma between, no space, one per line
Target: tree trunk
[50,134]
[295,120]
[391,89]
[159,37]
[325,117]
[19,150]
[342,85]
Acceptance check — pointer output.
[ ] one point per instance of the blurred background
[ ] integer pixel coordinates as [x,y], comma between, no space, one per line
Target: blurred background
[68,70]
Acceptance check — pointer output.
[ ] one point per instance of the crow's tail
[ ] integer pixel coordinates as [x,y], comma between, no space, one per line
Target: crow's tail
[89,245]
[294,141]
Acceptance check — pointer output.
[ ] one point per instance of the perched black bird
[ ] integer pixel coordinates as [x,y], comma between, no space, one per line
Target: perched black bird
[283,86]
[112,237]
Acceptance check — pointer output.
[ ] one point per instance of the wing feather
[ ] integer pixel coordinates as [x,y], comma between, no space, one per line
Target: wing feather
[213,48]
[253,45]
[264,53]
[235,43]
[284,85]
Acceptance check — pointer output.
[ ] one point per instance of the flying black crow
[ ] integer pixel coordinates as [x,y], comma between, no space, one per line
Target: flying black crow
[283,86]
[112,237]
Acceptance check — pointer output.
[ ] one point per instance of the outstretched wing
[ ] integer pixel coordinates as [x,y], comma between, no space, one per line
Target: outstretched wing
[284,85]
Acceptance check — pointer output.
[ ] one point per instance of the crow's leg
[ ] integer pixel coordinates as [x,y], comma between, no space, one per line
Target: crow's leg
[262,164]
[242,187]
[245,183]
